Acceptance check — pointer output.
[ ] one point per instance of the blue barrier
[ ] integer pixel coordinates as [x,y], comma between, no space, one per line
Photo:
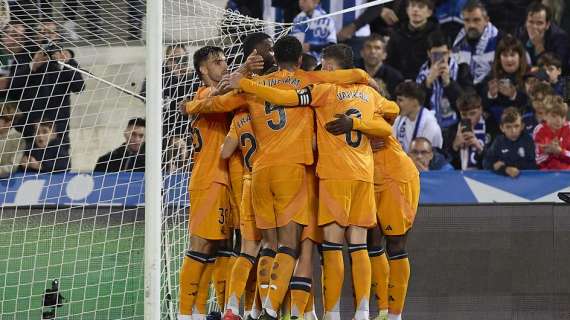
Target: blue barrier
[127,189]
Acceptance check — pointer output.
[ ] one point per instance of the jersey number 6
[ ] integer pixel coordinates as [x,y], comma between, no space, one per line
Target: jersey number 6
[353,138]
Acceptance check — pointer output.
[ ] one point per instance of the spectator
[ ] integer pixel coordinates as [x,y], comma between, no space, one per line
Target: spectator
[440,78]
[308,62]
[513,150]
[13,53]
[11,143]
[316,35]
[176,155]
[47,32]
[448,13]
[507,15]
[414,120]
[532,79]
[552,66]
[46,153]
[424,157]
[472,135]
[475,44]
[534,114]
[505,86]
[43,88]
[373,54]
[552,137]
[540,34]
[130,155]
[407,47]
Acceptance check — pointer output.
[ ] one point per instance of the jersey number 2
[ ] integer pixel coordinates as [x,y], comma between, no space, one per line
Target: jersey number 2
[270,108]
[253,146]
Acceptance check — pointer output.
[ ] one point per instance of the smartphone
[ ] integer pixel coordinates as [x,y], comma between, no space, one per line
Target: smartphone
[465,125]
[564,196]
[437,56]
[505,82]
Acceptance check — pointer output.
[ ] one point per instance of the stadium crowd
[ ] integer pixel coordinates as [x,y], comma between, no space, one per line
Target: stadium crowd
[477,90]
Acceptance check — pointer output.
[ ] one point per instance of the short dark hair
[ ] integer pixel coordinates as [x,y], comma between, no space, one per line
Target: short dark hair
[410,89]
[541,88]
[341,53]
[469,100]
[201,55]
[510,115]
[137,122]
[473,5]
[536,7]
[308,62]
[437,39]
[374,37]
[429,3]
[549,59]
[422,139]
[251,41]
[287,49]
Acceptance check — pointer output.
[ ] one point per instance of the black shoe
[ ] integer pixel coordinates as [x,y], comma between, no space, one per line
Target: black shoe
[214,315]
[265,316]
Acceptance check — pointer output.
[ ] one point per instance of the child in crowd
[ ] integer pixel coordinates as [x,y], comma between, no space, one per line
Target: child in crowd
[315,35]
[513,150]
[534,113]
[552,137]
[553,68]
[11,142]
[47,153]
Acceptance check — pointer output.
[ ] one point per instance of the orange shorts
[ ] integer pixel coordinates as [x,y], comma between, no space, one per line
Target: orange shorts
[247,225]
[280,195]
[209,212]
[397,204]
[312,230]
[347,202]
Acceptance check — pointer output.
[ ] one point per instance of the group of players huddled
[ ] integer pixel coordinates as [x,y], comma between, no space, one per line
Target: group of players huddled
[307,159]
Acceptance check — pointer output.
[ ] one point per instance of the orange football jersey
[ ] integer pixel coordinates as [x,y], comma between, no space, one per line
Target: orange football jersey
[208,134]
[242,131]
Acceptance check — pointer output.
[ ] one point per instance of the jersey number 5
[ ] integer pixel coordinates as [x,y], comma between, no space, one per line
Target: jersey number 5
[353,138]
[253,146]
[270,108]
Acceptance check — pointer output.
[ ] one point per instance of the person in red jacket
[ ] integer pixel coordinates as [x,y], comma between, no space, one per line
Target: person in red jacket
[552,137]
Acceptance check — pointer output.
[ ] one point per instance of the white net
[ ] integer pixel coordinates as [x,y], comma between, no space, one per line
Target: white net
[74,71]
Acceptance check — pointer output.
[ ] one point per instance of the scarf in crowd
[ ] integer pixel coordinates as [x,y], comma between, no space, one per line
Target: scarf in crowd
[468,155]
[480,60]
[439,103]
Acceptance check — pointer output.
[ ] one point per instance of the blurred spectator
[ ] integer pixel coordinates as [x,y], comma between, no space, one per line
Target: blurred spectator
[441,79]
[552,137]
[251,8]
[373,54]
[316,35]
[14,52]
[534,113]
[176,155]
[47,32]
[505,86]
[308,62]
[472,135]
[130,155]
[43,88]
[407,47]
[391,14]
[448,13]
[540,34]
[531,79]
[11,142]
[47,152]
[426,158]
[289,9]
[552,66]
[86,11]
[475,44]
[507,15]
[414,120]
[513,150]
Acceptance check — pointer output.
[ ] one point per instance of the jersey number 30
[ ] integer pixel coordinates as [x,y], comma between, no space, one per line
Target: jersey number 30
[280,124]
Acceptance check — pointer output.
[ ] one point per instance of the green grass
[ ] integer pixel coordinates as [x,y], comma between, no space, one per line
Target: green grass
[100,268]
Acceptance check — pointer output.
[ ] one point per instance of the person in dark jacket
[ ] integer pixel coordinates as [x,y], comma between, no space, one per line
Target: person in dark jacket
[512,151]
[407,47]
[507,15]
[373,54]
[43,89]
[540,34]
[47,153]
[130,155]
[427,158]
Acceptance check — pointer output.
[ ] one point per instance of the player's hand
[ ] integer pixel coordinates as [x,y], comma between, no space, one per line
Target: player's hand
[223,86]
[377,143]
[253,64]
[373,84]
[233,80]
[182,107]
[342,125]
[512,172]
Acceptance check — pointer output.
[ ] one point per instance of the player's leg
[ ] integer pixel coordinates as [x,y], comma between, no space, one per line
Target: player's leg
[201,303]
[223,258]
[302,280]
[399,274]
[380,271]
[361,270]
[333,269]
[239,276]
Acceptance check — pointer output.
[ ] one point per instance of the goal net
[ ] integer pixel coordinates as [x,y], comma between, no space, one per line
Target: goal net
[72,90]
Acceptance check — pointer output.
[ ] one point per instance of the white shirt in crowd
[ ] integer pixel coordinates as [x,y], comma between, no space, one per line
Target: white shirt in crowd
[425,125]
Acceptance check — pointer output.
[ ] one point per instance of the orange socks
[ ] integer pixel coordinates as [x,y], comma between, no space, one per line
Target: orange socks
[190,274]
[361,274]
[333,278]
[281,272]
[238,280]
[264,271]
[380,276]
[399,277]
[300,294]
[200,305]
[219,277]
[229,269]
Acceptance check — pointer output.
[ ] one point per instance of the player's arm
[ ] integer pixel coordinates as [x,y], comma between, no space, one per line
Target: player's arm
[389,109]
[215,104]
[231,142]
[345,76]
[280,97]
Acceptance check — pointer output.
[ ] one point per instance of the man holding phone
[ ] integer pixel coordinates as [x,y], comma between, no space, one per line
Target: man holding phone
[472,135]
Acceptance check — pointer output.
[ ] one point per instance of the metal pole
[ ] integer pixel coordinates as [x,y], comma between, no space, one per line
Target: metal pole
[153,176]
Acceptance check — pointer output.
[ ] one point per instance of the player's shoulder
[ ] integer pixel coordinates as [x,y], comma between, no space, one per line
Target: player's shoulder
[202,92]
